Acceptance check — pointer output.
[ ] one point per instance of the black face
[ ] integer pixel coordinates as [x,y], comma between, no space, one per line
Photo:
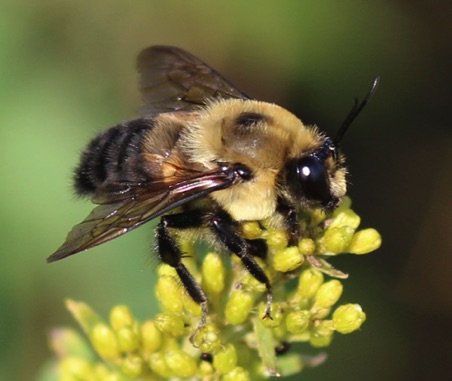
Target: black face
[307,177]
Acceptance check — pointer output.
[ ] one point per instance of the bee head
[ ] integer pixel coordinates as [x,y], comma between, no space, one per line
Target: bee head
[319,177]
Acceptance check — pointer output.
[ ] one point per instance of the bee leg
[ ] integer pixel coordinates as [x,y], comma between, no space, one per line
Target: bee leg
[258,247]
[223,228]
[290,216]
[171,254]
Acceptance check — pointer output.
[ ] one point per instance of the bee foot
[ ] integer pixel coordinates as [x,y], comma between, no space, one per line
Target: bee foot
[201,323]
[268,310]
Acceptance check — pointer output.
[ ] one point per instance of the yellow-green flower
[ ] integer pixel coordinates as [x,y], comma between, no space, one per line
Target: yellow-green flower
[237,341]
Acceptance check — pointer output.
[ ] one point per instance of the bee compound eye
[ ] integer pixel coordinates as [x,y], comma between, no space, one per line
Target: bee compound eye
[314,180]
[243,172]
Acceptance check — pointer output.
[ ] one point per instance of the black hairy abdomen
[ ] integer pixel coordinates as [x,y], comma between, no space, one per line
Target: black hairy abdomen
[112,156]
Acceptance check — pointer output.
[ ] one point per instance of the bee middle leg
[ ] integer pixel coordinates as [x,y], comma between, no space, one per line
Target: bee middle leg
[246,250]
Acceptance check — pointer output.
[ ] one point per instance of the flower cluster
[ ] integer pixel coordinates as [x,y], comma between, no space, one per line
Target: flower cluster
[237,342]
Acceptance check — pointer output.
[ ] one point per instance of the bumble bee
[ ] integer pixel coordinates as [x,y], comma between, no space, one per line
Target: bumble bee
[204,156]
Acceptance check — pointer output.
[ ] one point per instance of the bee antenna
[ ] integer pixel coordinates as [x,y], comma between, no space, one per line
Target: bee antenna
[354,112]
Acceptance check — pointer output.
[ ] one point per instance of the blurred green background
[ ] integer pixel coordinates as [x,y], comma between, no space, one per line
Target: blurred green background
[67,72]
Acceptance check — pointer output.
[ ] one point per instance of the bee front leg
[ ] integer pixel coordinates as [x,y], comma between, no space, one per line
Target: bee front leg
[290,216]
[171,254]
[223,227]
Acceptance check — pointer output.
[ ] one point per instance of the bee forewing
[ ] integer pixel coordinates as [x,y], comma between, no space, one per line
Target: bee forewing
[140,205]
[172,79]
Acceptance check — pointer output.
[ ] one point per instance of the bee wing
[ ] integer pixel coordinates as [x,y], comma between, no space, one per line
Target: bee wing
[172,79]
[128,207]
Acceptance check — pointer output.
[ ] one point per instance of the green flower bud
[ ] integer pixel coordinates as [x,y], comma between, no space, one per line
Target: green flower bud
[280,332]
[84,315]
[251,230]
[191,307]
[128,340]
[121,317]
[151,337]
[132,367]
[237,374]
[277,239]
[170,324]
[238,307]
[306,246]
[101,372]
[322,333]
[328,294]
[208,339]
[170,294]
[68,342]
[225,359]
[277,315]
[72,368]
[169,344]
[309,283]
[104,342]
[348,318]
[298,321]
[287,259]
[337,240]
[365,241]
[345,204]
[213,273]
[181,363]
[317,216]
[251,284]
[158,364]
[344,218]
[206,370]
[166,270]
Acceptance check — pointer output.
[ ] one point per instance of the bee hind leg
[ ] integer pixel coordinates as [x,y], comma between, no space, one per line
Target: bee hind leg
[171,254]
